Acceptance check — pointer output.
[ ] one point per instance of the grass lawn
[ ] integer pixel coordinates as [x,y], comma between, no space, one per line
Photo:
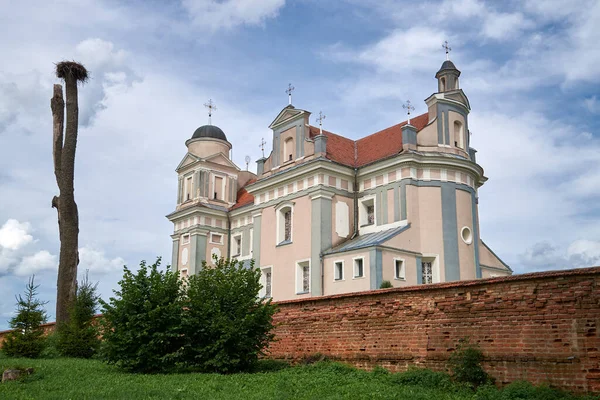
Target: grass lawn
[89,379]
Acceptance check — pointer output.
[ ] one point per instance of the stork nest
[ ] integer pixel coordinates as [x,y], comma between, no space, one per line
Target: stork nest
[71,69]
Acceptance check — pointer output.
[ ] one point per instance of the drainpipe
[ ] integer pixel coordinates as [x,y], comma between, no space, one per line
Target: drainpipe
[322,274]
[228,236]
[355,203]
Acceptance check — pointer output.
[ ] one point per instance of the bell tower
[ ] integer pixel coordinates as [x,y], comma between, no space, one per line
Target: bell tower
[448,74]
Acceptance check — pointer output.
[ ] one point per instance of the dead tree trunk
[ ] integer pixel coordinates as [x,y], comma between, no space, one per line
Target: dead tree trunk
[64,146]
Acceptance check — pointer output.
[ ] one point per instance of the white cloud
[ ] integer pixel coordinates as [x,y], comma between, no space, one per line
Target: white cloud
[501,26]
[228,14]
[14,234]
[592,104]
[38,262]
[97,263]
[546,256]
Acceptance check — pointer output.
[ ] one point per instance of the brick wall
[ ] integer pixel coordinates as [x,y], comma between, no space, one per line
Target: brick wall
[540,327]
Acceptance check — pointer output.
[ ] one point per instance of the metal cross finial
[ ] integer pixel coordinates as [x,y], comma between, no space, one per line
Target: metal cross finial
[289,91]
[320,119]
[262,146]
[448,49]
[408,107]
[211,107]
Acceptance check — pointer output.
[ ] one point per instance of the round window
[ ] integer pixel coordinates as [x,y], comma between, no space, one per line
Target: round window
[467,235]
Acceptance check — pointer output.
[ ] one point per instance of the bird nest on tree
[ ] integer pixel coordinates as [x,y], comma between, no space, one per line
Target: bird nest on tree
[65,69]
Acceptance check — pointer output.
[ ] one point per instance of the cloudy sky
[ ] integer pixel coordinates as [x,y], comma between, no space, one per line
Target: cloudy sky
[529,68]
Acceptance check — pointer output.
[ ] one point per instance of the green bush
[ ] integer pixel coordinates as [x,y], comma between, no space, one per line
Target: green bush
[142,329]
[465,364]
[423,377]
[212,322]
[385,285]
[79,336]
[226,324]
[27,338]
[521,390]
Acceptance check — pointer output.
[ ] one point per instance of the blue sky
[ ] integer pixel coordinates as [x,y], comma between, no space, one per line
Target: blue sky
[529,68]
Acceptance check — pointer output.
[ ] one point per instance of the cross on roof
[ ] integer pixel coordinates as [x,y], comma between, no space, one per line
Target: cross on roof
[211,107]
[289,91]
[320,119]
[408,107]
[447,48]
[262,146]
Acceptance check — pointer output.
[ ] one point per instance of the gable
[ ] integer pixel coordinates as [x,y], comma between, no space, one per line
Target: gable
[221,159]
[188,159]
[287,114]
[459,96]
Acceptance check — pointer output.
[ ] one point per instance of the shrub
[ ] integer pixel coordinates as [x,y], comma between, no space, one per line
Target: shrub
[142,328]
[424,378]
[79,336]
[465,364]
[385,285]
[27,338]
[226,324]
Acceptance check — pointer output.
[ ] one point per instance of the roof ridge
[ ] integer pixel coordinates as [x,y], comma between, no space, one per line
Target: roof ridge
[392,126]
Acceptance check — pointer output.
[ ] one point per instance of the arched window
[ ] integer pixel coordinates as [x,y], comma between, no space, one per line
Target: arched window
[442,84]
[459,140]
[288,149]
[284,224]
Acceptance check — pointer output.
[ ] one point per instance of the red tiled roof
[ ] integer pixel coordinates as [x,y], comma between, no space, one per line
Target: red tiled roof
[371,148]
[385,143]
[243,197]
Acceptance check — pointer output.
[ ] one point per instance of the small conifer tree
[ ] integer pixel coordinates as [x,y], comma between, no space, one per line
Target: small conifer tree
[79,336]
[27,338]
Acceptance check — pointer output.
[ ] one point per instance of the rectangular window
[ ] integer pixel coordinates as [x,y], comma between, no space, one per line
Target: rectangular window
[287,217]
[358,268]
[303,277]
[367,212]
[268,284]
[338,270]
[399,269]
[216,238]
[427,272]
[185,239]
[237,246]
[188,188]
[218,189]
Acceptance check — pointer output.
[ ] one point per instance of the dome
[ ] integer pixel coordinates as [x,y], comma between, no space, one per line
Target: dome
[209,131]
[447,66]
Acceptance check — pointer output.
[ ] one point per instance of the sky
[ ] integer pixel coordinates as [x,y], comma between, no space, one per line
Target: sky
[529,69]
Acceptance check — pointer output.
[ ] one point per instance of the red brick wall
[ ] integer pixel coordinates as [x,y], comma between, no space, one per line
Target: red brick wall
[540,327]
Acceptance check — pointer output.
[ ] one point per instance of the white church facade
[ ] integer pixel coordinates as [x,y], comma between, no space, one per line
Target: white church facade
[326,214]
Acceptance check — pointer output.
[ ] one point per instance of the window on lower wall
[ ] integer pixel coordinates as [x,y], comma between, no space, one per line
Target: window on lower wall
[303,277]
[338,270]
[359,270]
[427,270]
[185,239]
[266,280]
[399,272]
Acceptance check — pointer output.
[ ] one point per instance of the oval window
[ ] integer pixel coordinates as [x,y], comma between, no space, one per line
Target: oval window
[467,235]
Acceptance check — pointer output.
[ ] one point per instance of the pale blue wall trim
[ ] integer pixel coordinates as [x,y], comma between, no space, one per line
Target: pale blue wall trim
[175,255]
[321,231]
[450,231]
[446,123]
[419,270]
[256,240]
[193,259]
[403,202]
[299,141]
[375,268]
[476,236]
[396,203]
[384,206]
[440,128]
[200,251]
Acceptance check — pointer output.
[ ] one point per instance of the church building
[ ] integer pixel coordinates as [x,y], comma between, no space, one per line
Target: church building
[326,214]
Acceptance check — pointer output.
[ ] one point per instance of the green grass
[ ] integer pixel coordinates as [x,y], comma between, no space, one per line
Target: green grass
[90,379]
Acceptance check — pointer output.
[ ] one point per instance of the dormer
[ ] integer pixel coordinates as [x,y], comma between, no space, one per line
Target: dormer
[290,130]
